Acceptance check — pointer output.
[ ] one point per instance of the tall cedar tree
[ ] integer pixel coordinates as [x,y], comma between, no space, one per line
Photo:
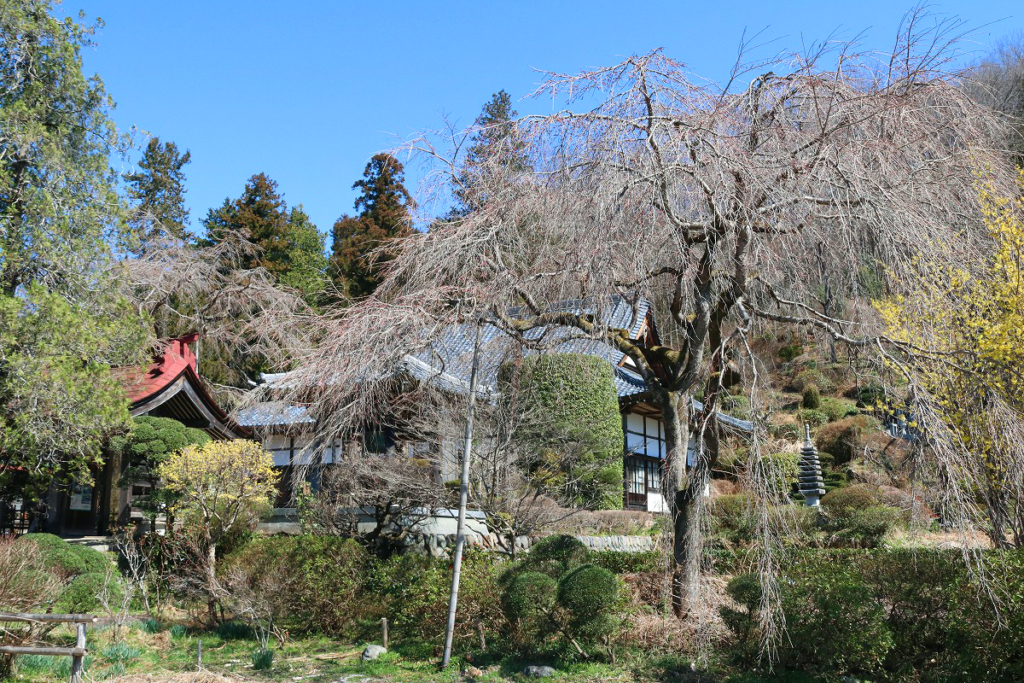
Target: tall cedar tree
[492,148]
[260,216]
[383,215]
[158,187]
[288,246]
[62,323]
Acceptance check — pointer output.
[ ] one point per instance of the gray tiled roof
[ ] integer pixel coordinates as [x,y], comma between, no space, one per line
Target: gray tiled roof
[447,362]
[272,414]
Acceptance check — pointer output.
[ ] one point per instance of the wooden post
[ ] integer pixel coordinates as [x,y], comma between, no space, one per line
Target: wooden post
[77,659]
[199,655]
[480,632]
[384,628]
[460,534]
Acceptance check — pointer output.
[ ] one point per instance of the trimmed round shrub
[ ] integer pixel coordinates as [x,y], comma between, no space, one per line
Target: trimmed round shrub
[528,594]
[557,554]
[837,408]
[845,501]
[68,560]
[82,593]
[856,512]
[815,418]
[746,590]
[811,398]
[806,378]
[588,589]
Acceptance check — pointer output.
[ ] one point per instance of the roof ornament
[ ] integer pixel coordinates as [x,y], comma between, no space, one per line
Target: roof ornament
[812,485]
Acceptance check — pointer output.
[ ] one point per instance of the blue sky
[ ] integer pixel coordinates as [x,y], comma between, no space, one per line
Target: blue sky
[308,90]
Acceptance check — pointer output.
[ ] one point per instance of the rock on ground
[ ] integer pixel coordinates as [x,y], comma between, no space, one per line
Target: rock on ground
[539,672]
[372,652]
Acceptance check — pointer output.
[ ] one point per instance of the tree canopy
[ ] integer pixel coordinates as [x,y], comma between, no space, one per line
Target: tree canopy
[718,204]
[383,205]
[158,188]
[63,319]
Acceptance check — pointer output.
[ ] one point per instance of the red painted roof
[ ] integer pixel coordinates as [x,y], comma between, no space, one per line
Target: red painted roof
[176,357]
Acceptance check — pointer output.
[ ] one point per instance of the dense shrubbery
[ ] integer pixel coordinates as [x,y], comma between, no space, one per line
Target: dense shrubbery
[82,592]
[895,615]
[837,408]
[80,572]
[858,516]
[813,376]
[334,586]
[844,438]
[556,594]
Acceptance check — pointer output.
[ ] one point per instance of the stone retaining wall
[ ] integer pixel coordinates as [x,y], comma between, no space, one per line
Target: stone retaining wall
[430,542]
[437,545]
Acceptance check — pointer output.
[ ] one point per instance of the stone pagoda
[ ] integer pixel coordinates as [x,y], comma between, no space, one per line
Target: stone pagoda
[812,486]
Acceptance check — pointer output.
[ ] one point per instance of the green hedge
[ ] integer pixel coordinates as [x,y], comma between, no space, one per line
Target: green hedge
[893,615]
[335,586]
[571,398]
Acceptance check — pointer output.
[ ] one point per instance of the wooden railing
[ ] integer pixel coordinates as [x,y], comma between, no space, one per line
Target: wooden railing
[77,653]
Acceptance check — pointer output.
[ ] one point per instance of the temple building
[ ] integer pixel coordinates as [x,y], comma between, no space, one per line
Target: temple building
[169,386]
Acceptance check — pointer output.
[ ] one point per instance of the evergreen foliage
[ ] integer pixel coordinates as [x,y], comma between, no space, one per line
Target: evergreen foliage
[383,206]
[158,188]
[285,243]
[555,594]
[146,447]
[811,398]
[67,560]
[63,323]
[493,149]
[571,416]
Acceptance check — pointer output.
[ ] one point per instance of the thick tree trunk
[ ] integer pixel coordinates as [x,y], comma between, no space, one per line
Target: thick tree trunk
[678,491]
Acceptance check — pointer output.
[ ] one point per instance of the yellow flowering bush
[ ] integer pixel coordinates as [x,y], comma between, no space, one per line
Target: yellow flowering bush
[973,321]
[218,486]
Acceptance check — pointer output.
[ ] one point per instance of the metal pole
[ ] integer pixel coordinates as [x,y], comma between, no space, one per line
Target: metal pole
[460,533]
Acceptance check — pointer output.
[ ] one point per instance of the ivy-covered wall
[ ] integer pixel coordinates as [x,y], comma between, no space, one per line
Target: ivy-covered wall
[569,411]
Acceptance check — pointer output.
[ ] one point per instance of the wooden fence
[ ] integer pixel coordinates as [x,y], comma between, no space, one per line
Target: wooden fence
[77,653]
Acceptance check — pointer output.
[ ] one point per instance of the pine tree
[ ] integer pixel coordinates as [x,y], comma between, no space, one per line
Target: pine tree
[158,187]
[383,207]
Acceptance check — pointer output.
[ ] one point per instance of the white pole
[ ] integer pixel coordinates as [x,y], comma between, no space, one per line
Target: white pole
[460,533]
